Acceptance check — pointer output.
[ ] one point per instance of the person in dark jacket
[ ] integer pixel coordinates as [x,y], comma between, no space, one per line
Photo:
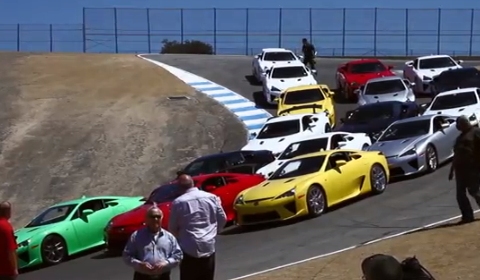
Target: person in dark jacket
[381,267]
[308,50]
[466,167]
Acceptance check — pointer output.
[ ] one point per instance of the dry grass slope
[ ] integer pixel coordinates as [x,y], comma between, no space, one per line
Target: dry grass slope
[75,124]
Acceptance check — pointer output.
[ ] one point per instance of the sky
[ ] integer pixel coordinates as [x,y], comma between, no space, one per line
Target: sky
[70,11]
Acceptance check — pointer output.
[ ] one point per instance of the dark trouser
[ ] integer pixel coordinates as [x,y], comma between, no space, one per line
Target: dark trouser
[309,61]
[467,183]
[192,268]
[139,276]
[3,277]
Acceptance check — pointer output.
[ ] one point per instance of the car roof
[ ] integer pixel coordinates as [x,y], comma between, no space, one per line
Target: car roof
[275,50]
[285,64]
[84,199]
[326,153]
[385,103]
[289,117]
[299,88]
[323,135]
[419,118]
[363,60]
[432,56]
[384,78]
[455,91]
[226,154]
[459,70]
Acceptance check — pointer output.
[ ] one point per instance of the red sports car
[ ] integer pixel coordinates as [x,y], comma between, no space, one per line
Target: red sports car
[226,185]
[354,74]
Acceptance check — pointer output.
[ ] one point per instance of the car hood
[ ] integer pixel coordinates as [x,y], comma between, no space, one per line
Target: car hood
[24,234]
[441,87]
[136,216]
[306,108]
[467,111]
[361,79]
[369,127]
[394,96]
[431,73]
[397,147]
[283,84]
[272,188]
[275,145]
[268,64]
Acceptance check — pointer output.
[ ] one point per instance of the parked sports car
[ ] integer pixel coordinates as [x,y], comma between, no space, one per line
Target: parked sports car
[417,144]
[268,57]
[313,144]
[307,99]
[278,132]
[224,185]
[456,103]
[383,89]
[309,184]
[422,70]
[455,79]
[354,74]
[285,75]
[68,228]
[374,118]
[247,162]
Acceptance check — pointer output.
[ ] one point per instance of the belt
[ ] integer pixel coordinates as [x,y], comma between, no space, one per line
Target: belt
[151,277]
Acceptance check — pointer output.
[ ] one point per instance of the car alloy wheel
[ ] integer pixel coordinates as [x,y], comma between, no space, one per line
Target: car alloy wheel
[316,201]
[432,159]
[53,249]
[378,179]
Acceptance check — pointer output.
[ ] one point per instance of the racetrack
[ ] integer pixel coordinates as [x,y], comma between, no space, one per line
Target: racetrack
[405,205]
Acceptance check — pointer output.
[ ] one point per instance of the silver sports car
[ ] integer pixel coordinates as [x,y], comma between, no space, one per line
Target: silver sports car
[417,144]
[392,88]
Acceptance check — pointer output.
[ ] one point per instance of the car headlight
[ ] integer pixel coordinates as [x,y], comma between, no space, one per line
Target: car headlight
[410,152]
[23,243]
[287,194]
[274,89]
[425,78]
[239,200]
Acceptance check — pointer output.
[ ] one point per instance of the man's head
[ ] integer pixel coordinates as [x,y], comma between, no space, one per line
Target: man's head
[304,41]
[463,124]
[153,219]
[185,182]
[5,210]
[382,267]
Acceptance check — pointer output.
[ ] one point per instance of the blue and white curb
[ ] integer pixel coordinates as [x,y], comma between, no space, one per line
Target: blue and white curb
[252,117]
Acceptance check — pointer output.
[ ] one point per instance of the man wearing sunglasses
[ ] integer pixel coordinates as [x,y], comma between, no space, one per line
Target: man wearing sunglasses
[152,251]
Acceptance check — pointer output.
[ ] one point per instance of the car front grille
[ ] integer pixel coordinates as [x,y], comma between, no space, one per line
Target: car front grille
[257,218]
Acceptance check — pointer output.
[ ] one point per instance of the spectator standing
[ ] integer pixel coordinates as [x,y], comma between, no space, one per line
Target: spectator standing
[152,251]
[466,167]
[8,244]
[308,51]
[195,219]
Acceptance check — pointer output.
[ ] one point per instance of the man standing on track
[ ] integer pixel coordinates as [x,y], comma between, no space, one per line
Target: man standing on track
[195,219]
[466,167]
[308,51]
[8,245]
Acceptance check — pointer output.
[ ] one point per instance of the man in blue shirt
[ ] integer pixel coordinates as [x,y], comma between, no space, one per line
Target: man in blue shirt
[152,251]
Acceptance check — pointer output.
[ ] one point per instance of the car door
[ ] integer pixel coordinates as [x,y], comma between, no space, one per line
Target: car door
[444,138]
[89,229]
[342,182]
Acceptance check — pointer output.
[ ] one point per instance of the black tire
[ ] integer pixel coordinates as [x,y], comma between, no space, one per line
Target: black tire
[431,158]
[328,128]
[53,249]
[316,201]
[378,178]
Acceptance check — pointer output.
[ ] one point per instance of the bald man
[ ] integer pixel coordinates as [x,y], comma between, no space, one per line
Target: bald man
[195,219]
[8,244]
[152,251]
[466,167]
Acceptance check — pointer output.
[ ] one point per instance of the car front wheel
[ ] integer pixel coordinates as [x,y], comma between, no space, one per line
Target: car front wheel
[54,249]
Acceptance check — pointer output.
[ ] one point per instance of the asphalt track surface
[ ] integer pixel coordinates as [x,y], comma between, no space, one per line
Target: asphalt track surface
[406,204]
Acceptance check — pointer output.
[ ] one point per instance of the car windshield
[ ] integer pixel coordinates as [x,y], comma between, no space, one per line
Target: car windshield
[437,62]
[213,164]
[368,67]
[52,215]
[279,129]
[303,96]
[278,56]
[166,193]
[299,167]
[454,77]
[406,130]
[454,101]
[289,72]
[365,114]
[384,87]
[304,147]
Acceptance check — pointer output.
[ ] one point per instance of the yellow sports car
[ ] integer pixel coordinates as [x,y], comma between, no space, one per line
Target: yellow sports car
[307,99]
[308,185]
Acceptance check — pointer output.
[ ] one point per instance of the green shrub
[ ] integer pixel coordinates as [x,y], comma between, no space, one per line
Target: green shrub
[189,46]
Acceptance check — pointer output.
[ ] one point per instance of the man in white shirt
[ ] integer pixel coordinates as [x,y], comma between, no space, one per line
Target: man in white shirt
[195,219]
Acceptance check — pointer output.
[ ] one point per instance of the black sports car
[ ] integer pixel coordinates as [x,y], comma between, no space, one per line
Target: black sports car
[375,117]
[246,162]
[455,79]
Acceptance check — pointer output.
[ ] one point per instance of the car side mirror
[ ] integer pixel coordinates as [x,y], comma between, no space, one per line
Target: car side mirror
[257,56]
[87,212]
[460,61]
[209,188]
[340,162]
[390,67]
[277,99]
[445,125]
[357,92]
[342,144]
[424,106]
[253,135]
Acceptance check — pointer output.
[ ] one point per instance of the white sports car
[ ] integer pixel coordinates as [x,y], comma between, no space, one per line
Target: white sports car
[312,144]
[268,57]
[422,70]
[285,75]
[278,132]
[383,89]
[457,102]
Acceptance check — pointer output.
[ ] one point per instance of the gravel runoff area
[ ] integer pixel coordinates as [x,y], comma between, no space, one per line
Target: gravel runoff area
[96,124]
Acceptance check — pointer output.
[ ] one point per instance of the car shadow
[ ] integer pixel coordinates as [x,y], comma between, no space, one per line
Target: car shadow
[339,98]
[260,102]
[394,180]
[252,81]
[107,255]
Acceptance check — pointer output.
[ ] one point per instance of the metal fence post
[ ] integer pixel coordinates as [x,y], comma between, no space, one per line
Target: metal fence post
[247,12]
[344,30]
[280,27]
[181,25]
[84,32]
[51,37]
[375,32]
[116,29]
[18,37]
[439,27]
[149,40]
[472,26]
[215,30]
[406,32]
[311,24]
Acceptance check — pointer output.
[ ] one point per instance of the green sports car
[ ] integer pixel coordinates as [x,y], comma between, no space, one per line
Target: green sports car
[69,228]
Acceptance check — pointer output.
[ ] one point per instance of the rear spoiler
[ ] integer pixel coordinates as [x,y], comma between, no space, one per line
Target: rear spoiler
[314,108]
